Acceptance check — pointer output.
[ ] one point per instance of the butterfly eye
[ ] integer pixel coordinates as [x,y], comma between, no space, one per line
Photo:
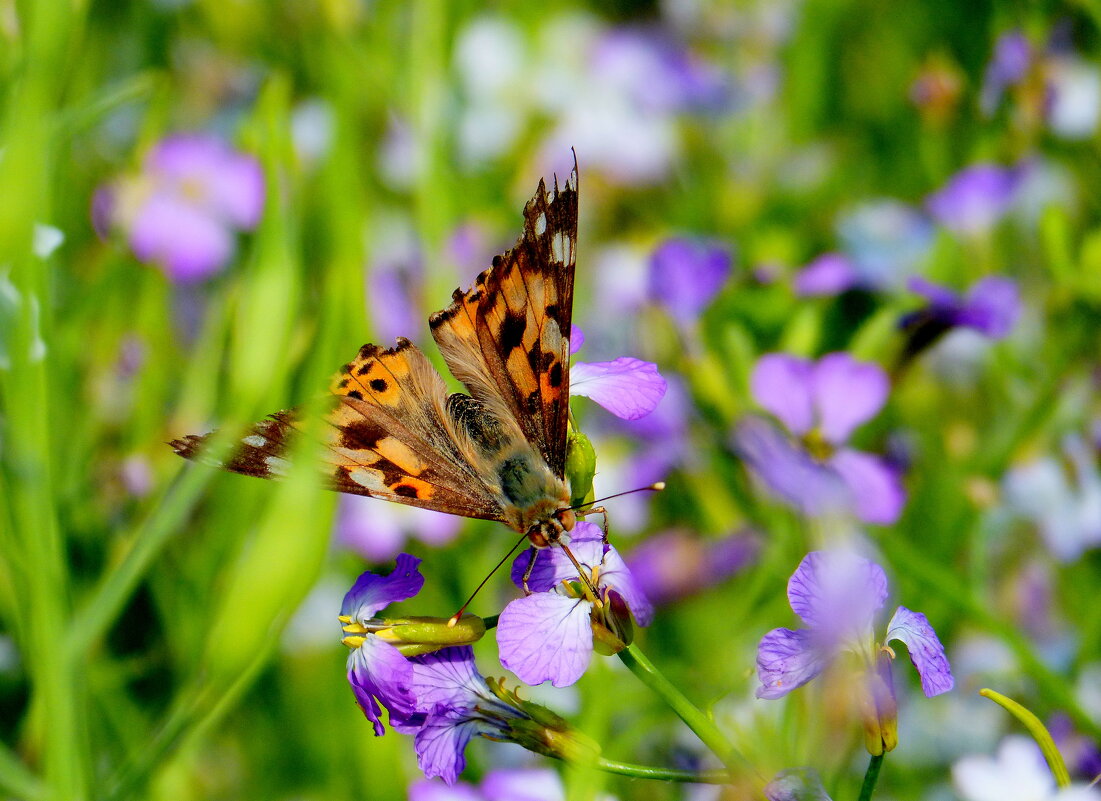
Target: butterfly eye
[566,519]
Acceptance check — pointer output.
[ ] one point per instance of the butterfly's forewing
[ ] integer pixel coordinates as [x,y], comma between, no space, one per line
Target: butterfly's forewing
[507,338]
[388,438]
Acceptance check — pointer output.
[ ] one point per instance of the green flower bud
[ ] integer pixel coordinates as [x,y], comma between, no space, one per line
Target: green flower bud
[580,466]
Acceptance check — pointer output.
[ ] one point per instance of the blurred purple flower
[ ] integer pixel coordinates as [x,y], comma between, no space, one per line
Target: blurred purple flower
[677,564]
[829,274]
[991,307]
[377,671]
[378,531]
[548,635]
[686,274]
[1016,773]
[521,784]
[1061,495]
[975,198]
[1008,66]
[837,595]
[821,403]
[181,211]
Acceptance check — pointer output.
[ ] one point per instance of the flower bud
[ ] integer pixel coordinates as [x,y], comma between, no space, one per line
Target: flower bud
[878,707]
[580,466]
[414,636]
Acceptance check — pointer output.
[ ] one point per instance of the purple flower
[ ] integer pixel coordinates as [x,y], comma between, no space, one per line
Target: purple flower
[991,306]
[377,671]
[829,274]
[821,403]
[837,595]
[548,635]
[886,240]
[1008,67]
[522,784]
[378,531]
[975,198]
[627,387]
[685,274]
[181,211]
[676,564]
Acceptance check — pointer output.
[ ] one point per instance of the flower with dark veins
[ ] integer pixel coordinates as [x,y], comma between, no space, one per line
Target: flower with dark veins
[550,633]
[838,595]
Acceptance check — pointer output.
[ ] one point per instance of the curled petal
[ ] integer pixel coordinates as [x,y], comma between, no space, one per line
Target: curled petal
[787,659]
[925,649]
[837,593]
[546,636]
[378,670]
[877,493]
[781,384]
[373,592]
[846,394]
[628,388]
[615,574]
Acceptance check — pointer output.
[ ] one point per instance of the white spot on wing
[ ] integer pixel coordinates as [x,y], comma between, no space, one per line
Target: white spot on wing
[255,441]
[277,465]
[368,479]
[559,243]
[540,224]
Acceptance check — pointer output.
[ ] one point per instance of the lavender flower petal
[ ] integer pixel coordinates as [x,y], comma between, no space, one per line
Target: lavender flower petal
[685,274]
[837,591]
[829,274]
[788,472]
[185,238]
[428,790]
[377,670]
[441,742]
[975,198]
[992,306]
[213,174]
[546,636]
[615,574]
[530,784]
[577,338]
[925,649]
[448,677]
[372,592]
[628,388]
[781,384]
[797,784]
[787,659]
[847,393]
[878,494]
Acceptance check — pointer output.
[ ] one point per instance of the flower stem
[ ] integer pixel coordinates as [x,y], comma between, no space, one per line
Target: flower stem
[871,776]
[696,720]
[663,774]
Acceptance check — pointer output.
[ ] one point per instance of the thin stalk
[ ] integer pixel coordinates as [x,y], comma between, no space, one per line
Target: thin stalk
[663,774]
[871,776]
[697,721]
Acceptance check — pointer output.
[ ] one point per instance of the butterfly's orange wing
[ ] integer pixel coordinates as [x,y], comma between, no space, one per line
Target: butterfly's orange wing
[507,337]
[390,436]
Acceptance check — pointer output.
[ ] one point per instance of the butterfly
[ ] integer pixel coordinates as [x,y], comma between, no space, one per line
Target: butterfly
[495,452]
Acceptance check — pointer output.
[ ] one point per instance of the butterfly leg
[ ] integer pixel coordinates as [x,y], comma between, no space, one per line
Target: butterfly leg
[599,510]
[529,569]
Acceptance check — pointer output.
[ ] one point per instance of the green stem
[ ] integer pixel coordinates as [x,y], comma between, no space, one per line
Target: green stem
[871,776]
[696,720]
[1038,731]
[663,774]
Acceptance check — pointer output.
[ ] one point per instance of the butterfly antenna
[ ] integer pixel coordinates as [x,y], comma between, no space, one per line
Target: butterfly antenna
[655,487]
[455,617]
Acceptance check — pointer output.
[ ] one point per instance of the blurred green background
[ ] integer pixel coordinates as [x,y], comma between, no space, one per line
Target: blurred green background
[169,631]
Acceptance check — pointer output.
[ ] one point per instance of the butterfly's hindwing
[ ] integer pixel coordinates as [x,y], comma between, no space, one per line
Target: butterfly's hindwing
[507,338]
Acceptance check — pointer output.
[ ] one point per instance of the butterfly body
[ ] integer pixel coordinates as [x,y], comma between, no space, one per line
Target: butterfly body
[497,453]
